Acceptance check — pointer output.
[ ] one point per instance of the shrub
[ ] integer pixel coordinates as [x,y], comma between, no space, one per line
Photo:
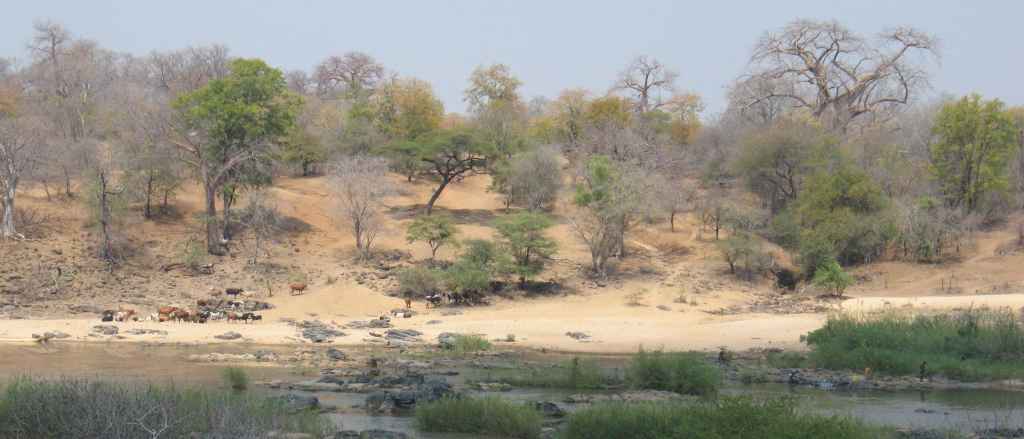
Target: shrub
[419,282]
[435,230]
[744,255]
[787,360]
[73,408]
[522,236]
[970,345]
[235,378]
[680,372]
[464,344]
[725,418]
[832,277]
[489,415]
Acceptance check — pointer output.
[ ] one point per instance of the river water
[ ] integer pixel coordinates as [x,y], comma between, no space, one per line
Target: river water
[946,409]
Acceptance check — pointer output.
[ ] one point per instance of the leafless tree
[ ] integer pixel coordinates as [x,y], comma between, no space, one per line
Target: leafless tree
[672,197]
[534,178]
[359,185]
[262,219]
[355,74]
[837,75]
[646,79]
[19,148]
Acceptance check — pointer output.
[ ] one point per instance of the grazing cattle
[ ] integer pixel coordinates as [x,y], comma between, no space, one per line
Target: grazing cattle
[182,315]
[166,309]
[202,303]
[125,315]
[233,291]
[232,316]
[408,303]
[297,288]
[434,300]
[216,315]
[107,315]
[251,317]
[237,304]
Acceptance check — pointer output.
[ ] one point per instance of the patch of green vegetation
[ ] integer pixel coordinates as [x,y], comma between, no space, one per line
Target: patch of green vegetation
[490,415]
[971,345]
[578,373]
[787,360]
[66,408]
[753,376]
[680,372]
[467,344]
[723,418]
[235,378]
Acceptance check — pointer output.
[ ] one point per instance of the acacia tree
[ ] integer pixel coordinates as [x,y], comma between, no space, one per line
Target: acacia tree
[970,158]
[360,183]
[522,235]
[836,74]
[436,231]
[230,122]
[646,78]
[448,155]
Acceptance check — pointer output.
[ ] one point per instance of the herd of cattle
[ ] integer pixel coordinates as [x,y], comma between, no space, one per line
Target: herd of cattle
[231,310]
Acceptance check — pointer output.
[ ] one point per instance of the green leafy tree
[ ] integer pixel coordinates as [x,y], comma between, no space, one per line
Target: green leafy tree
[744,254]
[522,235]
[230,122]
[976,138]
[437,231]
[843,215]
[448,155]
[419,282]
[831,276]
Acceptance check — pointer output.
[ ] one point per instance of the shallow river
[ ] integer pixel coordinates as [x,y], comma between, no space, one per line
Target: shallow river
[957,409]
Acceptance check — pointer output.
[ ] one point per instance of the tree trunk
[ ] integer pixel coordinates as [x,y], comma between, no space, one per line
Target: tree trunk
[107,253]
[213,245]
[147,209]
[228,200]
[7,230]
[437,194]
[672,221]
[67,183]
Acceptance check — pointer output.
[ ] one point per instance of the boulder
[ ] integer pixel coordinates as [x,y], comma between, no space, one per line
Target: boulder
[296,402]
[230,335]
[549,409]
[336,354]
[105,329]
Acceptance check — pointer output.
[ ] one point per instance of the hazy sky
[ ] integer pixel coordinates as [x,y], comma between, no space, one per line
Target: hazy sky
[551,45]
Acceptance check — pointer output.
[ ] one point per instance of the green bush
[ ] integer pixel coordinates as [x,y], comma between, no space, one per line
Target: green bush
[466,344]
[969,345]
[725,418]
[680,372]
[79,408]
[235,378]
[490,415]
[787,360]
[419,282]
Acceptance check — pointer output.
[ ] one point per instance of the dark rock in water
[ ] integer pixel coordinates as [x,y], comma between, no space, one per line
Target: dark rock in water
[230,335]
[379,403]
[331,379]
[336,354]
[447,340]
[370,434]
[549,409]
[1000,433]
[925,411]
[383,402]
[296,402]
[105,329]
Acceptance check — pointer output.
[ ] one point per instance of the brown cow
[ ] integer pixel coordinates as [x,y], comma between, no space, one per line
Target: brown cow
[297,287]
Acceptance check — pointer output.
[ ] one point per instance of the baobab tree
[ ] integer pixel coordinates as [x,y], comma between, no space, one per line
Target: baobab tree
[646,79]
[355,74]
[836,74]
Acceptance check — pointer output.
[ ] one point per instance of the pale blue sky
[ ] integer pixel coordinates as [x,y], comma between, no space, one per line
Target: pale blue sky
[550,45]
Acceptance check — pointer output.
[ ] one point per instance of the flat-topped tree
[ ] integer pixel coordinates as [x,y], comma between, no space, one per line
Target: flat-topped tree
[229,123]
[449,155]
